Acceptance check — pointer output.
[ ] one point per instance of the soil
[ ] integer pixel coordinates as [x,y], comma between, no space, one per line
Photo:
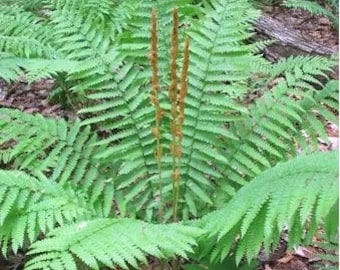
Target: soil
[33,98]
[311,27]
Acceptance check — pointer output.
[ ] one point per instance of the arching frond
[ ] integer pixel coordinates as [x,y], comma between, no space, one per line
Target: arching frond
[51,148]
[29,206]
[112,243]
[13,68]
[218,61]
[298,194]
[314,8]
[285,118]
[25,34]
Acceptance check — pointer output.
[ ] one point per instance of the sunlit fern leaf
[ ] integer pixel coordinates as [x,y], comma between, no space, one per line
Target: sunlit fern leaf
[110,17]
[314,8]
[25,34]
[29,136]
[281,119]
[51,148]
[78,37]
[120,99]
[13,68]
[308,65]
[29,206]
[280,193]
[100,12]
[112,243]
[123,14]
[32,5]
[322,107]
[9,70]
[218,60]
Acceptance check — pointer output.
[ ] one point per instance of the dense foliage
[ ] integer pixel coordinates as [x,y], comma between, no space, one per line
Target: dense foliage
[109,188]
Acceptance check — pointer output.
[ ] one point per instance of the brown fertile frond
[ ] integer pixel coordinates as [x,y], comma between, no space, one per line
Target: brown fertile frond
[184,81]
[153,54]
[155,82]
[174,54]
[155,101]
[176,98]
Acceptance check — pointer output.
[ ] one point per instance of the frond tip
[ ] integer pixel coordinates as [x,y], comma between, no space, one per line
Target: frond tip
[29,206]
[299,193]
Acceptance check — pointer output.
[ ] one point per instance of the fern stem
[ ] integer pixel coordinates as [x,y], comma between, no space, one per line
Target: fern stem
[184,83]
[180,118]
[158,111]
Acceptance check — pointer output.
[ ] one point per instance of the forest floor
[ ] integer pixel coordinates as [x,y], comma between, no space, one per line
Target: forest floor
[314,28]
[34,98]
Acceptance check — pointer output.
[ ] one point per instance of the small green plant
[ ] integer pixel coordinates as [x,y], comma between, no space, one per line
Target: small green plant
[186,174]
[315,8]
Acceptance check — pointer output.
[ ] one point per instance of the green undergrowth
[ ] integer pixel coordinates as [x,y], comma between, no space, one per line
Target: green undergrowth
[168,160]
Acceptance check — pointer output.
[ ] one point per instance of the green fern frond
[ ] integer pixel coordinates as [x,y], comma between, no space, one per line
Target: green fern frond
[100,12]
[126,112]
[25,34]
[275,199]
[314,8]
[29,136]
[112,243]
[32,5]
[124,13]
[63,153]
[304,65]
[78,37]
[281,119]
[13,68]
[29,206]
[322,107]
[218,54]
[329,259]
[135,42]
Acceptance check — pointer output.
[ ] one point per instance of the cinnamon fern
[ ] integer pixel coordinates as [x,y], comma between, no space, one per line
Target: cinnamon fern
[91,243]
[164,131]
[298,194]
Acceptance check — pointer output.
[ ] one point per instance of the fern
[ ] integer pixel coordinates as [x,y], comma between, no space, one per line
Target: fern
[26,47]
[30,206]
[314,8]
[225,150]
[329,259]
[209,91]
[51,148]
[12,68]
[91,242]
[297,193]
[280,120]
[24,34]
[46,34]
[129,120]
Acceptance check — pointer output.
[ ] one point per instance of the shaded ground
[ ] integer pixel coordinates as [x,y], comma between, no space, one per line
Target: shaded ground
[301,258]
[311,27]
[32,98]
